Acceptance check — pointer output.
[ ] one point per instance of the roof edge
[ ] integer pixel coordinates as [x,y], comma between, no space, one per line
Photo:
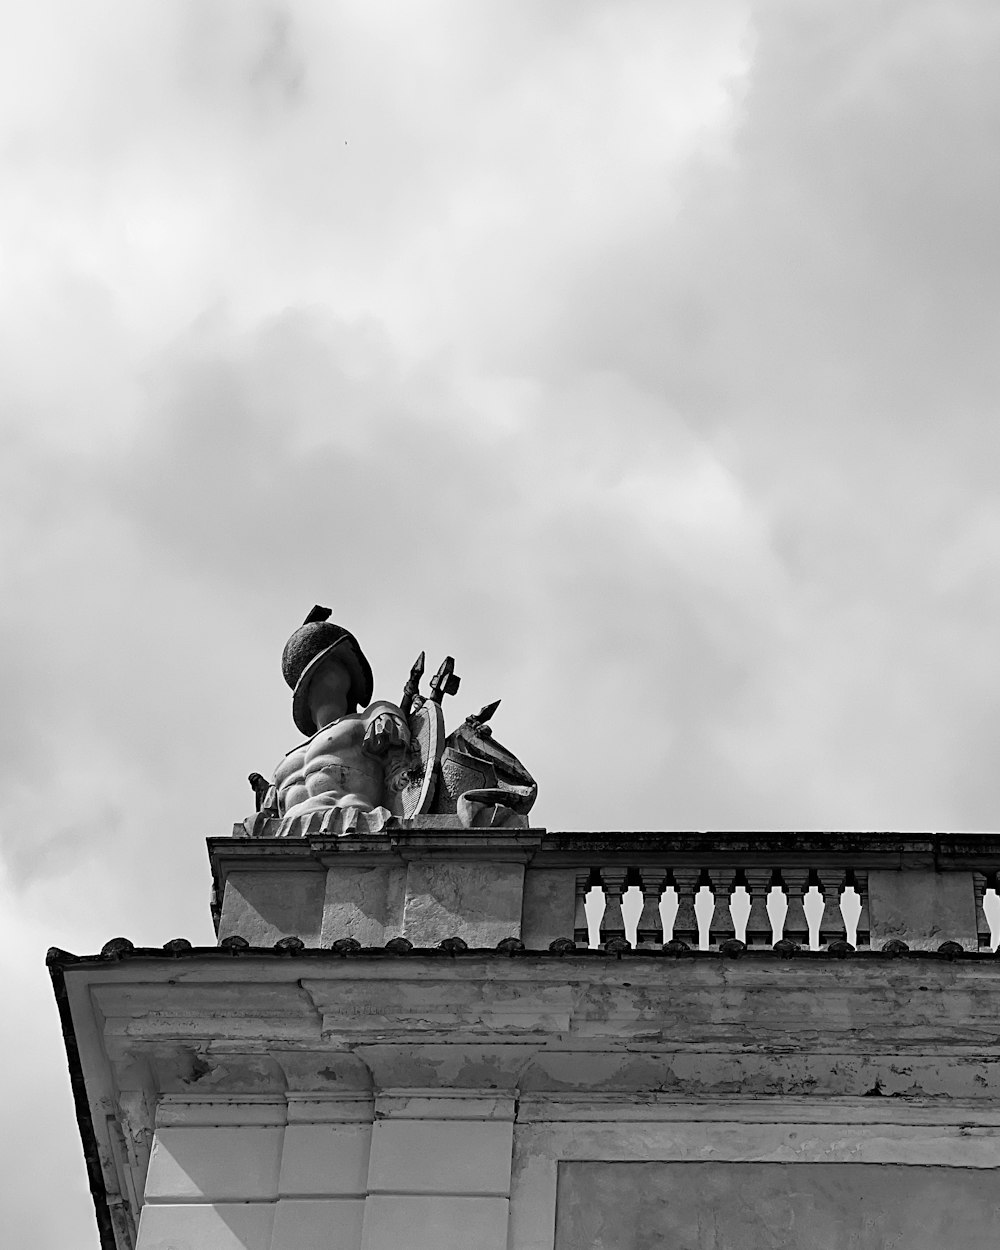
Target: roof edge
[84,1120]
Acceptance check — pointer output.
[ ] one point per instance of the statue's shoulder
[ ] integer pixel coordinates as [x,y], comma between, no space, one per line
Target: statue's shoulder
[336,729]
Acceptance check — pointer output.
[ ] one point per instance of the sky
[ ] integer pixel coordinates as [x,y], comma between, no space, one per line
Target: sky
[641,354]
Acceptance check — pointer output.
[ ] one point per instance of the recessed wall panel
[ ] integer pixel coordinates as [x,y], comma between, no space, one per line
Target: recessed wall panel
[775,1206]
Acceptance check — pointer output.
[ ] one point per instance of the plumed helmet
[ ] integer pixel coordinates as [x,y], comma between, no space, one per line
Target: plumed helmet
[315,639]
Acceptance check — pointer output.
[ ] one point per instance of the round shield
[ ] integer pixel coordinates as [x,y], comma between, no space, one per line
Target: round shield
[410,777]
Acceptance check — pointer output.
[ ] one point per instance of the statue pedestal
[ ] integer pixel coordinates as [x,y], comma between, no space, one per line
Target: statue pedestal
[426,880]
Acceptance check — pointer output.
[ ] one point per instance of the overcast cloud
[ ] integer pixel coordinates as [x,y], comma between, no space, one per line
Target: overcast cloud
[643,356]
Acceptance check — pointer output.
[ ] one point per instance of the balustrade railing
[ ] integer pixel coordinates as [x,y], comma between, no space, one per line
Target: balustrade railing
[811,889]
[649,890]
[652,906]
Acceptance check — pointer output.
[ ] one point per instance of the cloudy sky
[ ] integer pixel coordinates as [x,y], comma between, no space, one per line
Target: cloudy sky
[641,355]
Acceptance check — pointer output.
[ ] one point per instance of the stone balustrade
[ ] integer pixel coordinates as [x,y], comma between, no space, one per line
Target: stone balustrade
[703,909]
[426,882]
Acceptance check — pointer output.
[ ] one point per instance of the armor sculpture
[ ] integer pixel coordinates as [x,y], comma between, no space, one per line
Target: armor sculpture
[367,765]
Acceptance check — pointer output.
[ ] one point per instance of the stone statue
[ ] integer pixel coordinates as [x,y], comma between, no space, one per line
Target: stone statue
[366,765]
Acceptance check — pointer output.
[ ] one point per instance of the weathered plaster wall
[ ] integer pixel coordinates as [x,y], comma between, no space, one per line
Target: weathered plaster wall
[775,1206]
[606,1148]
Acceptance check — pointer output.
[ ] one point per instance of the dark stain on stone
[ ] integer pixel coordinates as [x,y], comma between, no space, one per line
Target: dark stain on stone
[199,1068]
[876,1090]
[328,1074]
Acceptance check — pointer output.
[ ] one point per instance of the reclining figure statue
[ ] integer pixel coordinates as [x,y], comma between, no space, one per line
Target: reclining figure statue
[361,770]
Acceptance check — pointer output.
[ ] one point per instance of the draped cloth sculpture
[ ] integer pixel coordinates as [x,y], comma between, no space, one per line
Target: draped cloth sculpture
[367,765]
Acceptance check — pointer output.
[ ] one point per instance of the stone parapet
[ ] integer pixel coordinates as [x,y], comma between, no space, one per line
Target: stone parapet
[426,881]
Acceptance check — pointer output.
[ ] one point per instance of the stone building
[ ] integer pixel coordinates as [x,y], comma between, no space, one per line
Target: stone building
[417,1033]
[404,1039]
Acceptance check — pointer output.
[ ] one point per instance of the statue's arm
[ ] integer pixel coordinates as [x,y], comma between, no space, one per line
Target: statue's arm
[265,793]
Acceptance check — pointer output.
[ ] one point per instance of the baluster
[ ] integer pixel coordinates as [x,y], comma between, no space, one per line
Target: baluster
[685,882]
[864,924]
[831,924]
[650,930]
[796,927]
[758,886]
[585,879]
[981,884]
[613,924]
[722,926]
[979,889]
[859,880]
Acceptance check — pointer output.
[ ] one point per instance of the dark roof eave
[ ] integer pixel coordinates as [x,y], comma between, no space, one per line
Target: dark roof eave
[84,1120]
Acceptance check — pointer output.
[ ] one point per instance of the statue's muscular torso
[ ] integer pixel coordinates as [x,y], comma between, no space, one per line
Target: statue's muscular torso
[334,768]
